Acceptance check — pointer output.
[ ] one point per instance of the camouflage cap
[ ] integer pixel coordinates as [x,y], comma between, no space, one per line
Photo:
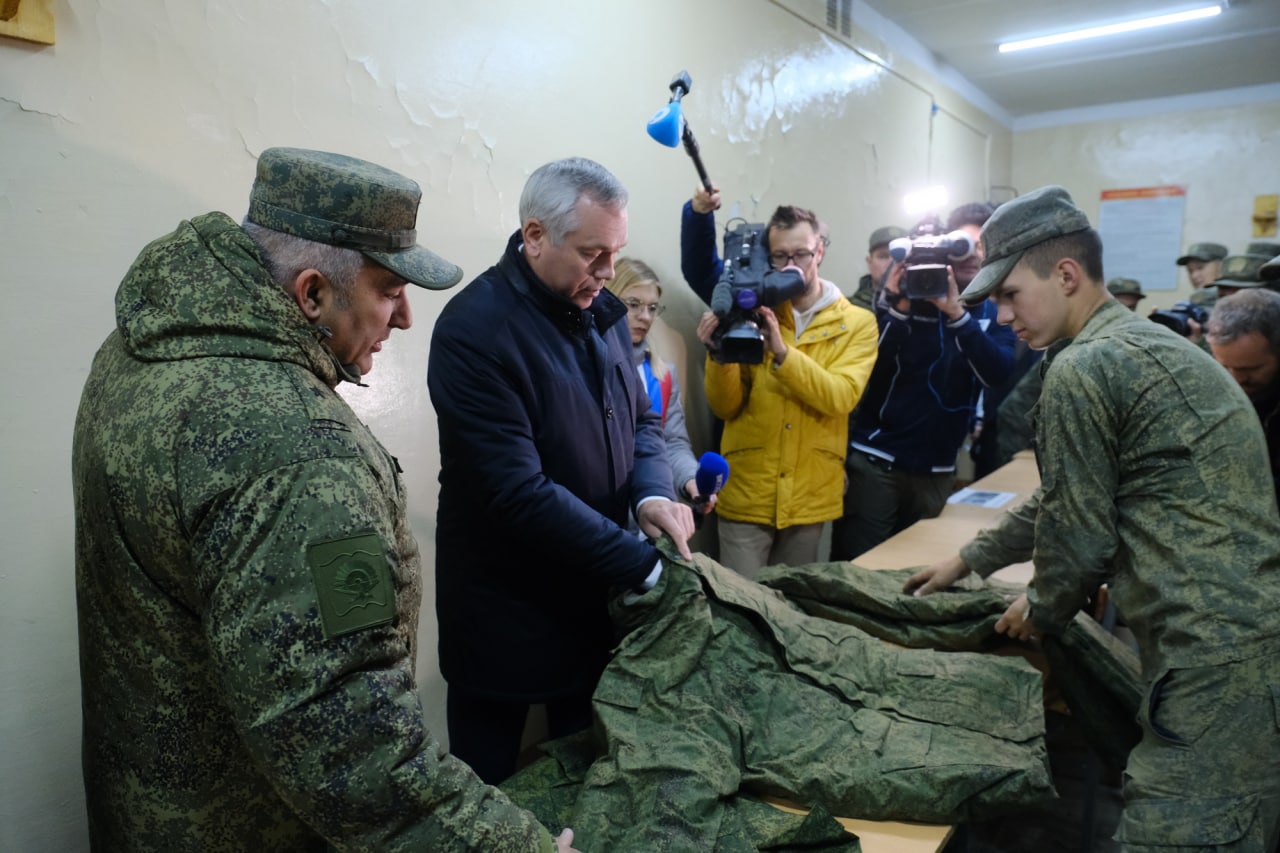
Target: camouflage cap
[1270,271]
[1203,252]
[1263,248]
[1017,226]
[1129,286]
[342,201]
[1205,296]
[1242,271]
[884,235]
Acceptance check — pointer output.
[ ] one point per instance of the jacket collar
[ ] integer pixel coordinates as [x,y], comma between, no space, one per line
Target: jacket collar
[606,310]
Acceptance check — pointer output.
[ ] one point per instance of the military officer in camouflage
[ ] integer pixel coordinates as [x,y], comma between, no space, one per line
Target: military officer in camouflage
[247,583]
[1154,479]
[1127,291]
[878,263]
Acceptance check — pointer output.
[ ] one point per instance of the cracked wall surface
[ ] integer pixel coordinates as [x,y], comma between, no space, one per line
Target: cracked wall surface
[147,112]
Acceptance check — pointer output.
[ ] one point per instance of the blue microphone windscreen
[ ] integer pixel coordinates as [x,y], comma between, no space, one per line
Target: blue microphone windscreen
[713,473]
[667,125]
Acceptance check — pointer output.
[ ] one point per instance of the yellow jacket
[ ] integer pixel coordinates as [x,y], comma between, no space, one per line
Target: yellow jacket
[787,427]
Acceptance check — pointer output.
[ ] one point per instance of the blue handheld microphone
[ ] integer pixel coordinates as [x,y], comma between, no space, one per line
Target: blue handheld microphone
[713,473]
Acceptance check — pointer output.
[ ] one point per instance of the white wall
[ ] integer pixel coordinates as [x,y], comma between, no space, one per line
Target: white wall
[147,112]
[1224,157]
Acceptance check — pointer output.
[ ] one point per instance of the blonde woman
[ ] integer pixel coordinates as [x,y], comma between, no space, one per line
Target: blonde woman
[636,284]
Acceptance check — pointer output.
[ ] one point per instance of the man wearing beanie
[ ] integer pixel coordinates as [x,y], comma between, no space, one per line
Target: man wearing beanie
[247,582]
[1154,480]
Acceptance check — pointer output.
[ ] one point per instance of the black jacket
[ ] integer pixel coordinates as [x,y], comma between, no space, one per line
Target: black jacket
[547,441]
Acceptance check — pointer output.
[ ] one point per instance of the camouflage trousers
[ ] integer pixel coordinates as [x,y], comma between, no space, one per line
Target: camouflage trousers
[1206,775]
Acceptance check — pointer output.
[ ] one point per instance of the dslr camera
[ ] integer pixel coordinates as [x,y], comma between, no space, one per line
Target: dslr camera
[747,283]
[1177,316]
[926,254]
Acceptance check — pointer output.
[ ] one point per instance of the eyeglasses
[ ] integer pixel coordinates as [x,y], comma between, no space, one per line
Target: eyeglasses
[779,260]
[635,306]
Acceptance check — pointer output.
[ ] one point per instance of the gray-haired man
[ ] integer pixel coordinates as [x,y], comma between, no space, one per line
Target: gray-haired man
[547,442]
[1244,334]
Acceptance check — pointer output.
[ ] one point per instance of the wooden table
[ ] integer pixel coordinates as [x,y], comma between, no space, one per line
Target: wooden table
[922,543]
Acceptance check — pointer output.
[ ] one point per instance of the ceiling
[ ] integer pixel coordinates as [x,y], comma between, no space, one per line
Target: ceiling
[1237,49]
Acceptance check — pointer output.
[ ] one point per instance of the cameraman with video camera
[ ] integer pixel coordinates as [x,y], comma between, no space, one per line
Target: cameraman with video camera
[786,416]
[936,356]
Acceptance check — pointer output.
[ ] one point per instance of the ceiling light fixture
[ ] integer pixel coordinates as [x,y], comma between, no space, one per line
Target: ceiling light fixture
[1113,29]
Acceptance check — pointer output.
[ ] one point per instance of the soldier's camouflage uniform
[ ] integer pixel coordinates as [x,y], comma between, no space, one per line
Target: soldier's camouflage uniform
[248,586]
[722,686]
[1155,480]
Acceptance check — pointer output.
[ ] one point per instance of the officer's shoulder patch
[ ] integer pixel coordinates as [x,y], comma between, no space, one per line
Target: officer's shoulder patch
[353,584]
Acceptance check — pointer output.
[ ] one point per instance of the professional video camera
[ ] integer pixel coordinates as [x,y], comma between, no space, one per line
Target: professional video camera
[1177,317]
[747,283]
[927,253]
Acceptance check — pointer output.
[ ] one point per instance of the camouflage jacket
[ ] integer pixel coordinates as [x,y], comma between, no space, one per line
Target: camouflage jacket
[248,586]
[722,688]
[1155,480]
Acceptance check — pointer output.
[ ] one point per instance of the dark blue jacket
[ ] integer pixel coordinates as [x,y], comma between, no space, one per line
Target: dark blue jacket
[701,268]
[547,440]
[920,401]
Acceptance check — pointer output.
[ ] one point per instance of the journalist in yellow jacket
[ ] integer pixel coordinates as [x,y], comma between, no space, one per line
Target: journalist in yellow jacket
[786,419]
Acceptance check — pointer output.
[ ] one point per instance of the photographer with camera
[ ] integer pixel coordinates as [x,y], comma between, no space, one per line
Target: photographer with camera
[786,417]
[936,355]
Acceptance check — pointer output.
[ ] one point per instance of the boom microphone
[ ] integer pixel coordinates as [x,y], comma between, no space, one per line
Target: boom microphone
[669,128]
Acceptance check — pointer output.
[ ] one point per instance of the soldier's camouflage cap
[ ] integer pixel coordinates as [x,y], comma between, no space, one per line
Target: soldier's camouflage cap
[1271,269]
[884,235]
[1203,252]
[342,201]
[1128,286]
[1205,296]
[1017,226]
[1263,248]
[1242,271]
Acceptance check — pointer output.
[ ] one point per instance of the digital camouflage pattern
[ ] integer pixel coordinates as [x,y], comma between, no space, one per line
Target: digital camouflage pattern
[721,688]
[336,199]
[248,586]
[1203,252]
[1154,480]
[550,786]
[1242,271]
[1017,226]
[1126,286]
[1096,673]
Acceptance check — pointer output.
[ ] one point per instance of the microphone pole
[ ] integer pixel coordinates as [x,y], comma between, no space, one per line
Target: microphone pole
[668,126]
[679,88]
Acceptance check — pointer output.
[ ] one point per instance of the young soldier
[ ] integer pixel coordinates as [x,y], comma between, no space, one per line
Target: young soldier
[1154,479]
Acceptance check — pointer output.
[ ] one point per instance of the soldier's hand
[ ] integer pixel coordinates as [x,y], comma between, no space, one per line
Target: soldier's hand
[703,201]
[1016,621]
[670,517]
[940,575]
[564,842]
